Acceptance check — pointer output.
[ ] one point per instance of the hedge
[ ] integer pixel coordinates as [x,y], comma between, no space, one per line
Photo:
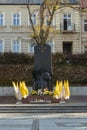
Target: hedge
[17,67]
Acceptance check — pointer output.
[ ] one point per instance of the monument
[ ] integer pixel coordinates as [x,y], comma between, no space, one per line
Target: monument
[42,72]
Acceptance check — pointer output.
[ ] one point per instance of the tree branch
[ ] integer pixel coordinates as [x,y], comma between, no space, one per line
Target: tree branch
[34,31]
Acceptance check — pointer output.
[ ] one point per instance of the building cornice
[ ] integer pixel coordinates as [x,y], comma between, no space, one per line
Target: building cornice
[19,2]
[31,2]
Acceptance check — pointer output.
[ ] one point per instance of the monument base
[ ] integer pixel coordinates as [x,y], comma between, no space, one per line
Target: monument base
[40,99]
[18,102]
[40,102]
[62,102]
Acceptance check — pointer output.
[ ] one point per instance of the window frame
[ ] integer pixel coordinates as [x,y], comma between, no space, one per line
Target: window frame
[3,18]
[51,44]
[34,18]
[1,41]
[16,19]
[31,47]
[68,22]
[85,48]
[18,47]
[84,23]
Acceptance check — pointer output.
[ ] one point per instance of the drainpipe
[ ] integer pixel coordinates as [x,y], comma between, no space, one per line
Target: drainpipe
[80,30]
[81,33]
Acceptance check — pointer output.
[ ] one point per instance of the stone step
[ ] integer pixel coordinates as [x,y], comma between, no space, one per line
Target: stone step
[42,108]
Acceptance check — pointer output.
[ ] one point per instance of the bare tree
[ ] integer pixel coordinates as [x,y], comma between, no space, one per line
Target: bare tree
[44,30]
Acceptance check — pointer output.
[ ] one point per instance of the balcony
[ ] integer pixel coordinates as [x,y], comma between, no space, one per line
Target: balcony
[67,28]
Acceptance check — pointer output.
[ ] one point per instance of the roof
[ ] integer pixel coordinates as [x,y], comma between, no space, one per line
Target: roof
[83,3]
[27,1]
[20,2]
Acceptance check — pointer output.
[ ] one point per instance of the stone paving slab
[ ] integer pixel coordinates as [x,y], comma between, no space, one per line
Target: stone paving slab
[15,124]
[63,124]
[69,121]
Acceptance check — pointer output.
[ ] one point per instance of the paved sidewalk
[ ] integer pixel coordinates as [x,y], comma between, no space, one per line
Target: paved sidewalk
[15,124]
[51,121]
[64,122]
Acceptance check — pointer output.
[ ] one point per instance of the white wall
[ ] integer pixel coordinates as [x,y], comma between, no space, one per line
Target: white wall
[9,91]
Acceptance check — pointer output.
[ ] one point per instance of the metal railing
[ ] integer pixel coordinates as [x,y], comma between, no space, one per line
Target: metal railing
[67,29]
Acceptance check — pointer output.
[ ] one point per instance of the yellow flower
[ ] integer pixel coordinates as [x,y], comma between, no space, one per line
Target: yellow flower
[34,92]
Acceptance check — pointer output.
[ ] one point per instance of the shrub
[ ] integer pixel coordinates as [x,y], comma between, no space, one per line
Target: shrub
[18,67]
[79,59]
[58,59]
[15,58]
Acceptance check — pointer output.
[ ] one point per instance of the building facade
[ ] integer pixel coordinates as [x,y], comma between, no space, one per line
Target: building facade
[83,16]
[15,28]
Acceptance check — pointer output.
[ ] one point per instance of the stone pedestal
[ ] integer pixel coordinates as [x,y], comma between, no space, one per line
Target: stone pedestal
[42,72]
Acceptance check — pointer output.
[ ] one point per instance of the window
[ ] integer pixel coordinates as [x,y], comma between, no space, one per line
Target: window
[1,46]
[85,25]
[28,21]
[51,44]
[16,19]
[67,22]
[16,46]
[33,18]
[85,48]
[48,22]
[31,47]
[1,19]
[73,1]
